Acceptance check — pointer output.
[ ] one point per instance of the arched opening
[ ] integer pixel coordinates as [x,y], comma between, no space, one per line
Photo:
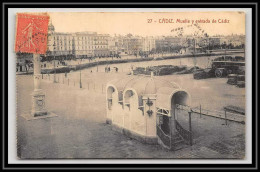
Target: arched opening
[110,91]
[178,98]
[180,114]
[128,96]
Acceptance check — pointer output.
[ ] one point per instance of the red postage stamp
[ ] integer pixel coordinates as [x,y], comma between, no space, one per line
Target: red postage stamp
[31,33]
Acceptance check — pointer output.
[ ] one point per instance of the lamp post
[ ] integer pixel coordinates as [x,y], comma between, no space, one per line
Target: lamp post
[54,65]
[244,51]
[194,54]
[225,45]
[97,63]
[80,83]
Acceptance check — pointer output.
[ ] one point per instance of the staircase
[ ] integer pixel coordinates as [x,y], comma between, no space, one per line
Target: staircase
[179,139]
[178,142]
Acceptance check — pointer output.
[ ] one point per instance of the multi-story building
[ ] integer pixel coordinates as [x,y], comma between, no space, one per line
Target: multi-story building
[169,42]
[119,42]
[63,44]
[175,41]
[161,44]
[132,44]
[101,45]
[84,44]
[113,45]
[59,44]
[79,44]
[148,44]
[91,44]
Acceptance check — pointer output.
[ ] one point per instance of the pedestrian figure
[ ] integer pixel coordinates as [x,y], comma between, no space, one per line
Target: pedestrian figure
[109,69]
[91,71]
[132,67]
[116,69]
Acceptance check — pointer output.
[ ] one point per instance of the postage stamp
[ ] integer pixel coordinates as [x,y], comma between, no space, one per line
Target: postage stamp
[31,33]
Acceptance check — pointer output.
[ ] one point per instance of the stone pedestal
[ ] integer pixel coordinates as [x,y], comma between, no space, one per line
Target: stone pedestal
[38,95]
[38,103]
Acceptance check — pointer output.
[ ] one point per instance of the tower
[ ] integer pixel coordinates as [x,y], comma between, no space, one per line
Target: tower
[51,40]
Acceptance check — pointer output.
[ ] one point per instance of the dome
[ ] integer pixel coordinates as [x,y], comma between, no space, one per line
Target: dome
[121,83]
[142,84]
[51,27]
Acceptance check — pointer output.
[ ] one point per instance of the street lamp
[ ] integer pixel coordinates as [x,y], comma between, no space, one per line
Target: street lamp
[54,52]
[80,83]
[97,63]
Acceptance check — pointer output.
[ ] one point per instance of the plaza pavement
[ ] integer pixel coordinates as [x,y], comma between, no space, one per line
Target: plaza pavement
[80,131]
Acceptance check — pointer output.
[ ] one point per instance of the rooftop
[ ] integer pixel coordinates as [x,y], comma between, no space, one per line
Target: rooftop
[142,84]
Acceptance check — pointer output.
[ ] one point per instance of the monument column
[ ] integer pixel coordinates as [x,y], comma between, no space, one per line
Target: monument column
[38,96]
[36,71]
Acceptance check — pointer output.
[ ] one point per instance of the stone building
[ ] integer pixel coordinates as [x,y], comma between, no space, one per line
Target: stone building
[161,44]
[78,45]
[170,43]
[145,108]
[148,44]
[112,46]
[132,44]
[59,44]
[101,45]
[84,44]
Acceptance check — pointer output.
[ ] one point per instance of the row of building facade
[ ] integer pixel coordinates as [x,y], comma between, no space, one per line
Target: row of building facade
[92,44]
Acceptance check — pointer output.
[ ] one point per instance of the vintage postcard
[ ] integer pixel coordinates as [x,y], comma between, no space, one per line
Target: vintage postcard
[131,85]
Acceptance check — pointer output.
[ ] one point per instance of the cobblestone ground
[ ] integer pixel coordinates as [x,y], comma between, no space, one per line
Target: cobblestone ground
[80,131]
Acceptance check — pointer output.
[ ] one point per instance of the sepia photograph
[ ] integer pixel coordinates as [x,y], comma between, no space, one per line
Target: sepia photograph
[131,85]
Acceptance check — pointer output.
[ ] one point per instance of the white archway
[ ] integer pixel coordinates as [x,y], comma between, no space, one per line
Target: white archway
[182,98]
[130,98]
[179,97]
[110,98]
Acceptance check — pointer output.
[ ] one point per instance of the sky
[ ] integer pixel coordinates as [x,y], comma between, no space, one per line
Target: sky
[137,23]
